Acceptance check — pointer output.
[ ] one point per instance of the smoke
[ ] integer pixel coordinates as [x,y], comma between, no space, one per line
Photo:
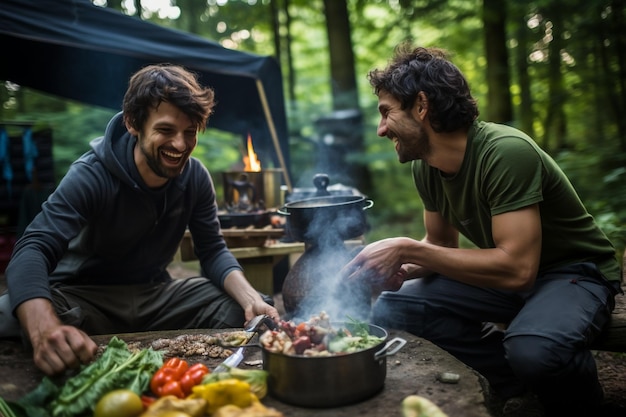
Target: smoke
[316,279]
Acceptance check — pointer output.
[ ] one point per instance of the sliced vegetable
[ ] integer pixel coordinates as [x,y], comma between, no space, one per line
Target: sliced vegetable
[176,378]
[257,379]
[318,337]
[254,409]
[220,393]
[174,414]
[349,342]
[416,406]
[168,405]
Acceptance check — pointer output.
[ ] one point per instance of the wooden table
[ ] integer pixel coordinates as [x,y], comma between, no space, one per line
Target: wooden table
[259,259]
[413,370]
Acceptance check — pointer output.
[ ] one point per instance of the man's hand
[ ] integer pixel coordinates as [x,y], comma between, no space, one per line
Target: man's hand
[56,347]
[238,287]
[380,264]
[260,307]
[62,348]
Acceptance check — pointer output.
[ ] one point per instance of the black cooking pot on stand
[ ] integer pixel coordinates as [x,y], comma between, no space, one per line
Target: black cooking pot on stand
[334,217]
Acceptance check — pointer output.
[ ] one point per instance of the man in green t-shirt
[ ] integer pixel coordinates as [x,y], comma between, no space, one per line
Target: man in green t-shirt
[541,266]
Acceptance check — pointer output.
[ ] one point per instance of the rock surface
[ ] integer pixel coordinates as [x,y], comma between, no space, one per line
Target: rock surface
[412,370]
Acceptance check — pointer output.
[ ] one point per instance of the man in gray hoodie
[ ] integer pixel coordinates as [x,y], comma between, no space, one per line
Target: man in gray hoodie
[94,260]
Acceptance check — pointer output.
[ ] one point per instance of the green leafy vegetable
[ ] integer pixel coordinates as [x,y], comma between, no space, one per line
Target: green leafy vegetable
[116,368]
[35,402]
[6,410]
[358,338]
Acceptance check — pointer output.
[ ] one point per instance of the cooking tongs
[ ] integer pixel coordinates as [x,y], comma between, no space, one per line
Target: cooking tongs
[251,329]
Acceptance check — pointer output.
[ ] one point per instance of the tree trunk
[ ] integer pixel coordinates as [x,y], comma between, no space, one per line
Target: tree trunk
[343,80]
[526,115]
[137,6]
[618,28]
[283,48]
[555,123]
[291,72]
[190,10]
[341,154]
[275,23]
[499,108]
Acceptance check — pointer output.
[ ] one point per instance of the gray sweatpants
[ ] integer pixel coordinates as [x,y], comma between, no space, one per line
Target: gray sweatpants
[545,346]
[106,309]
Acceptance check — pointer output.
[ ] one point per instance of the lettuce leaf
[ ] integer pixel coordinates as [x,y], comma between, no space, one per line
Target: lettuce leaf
[117,368]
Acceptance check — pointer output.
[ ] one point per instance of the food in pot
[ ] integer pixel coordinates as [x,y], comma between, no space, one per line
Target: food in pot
[318,337]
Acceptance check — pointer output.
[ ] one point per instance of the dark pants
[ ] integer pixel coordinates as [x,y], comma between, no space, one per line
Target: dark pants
[179,304]
[545,346]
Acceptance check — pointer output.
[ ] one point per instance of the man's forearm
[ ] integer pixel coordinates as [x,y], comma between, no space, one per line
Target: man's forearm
[238,287]
[36,313]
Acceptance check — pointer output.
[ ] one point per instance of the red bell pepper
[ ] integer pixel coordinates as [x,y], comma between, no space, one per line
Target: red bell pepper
[176,378]
[192,377]
[147,401]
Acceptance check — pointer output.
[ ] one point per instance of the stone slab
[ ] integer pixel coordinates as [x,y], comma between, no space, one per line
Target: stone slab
[412,370]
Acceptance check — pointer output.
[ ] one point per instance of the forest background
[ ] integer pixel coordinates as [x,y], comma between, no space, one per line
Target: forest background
[553,68]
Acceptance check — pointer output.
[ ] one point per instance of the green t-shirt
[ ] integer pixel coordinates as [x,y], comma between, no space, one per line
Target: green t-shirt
[505,170]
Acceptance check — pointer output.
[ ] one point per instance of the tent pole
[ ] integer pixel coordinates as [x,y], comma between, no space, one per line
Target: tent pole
[270,123]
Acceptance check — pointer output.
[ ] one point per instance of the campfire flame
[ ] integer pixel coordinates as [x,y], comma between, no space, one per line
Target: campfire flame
[251,162]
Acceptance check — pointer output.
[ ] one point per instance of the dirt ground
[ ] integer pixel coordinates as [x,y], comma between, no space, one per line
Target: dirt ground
[612,373]
[611,365]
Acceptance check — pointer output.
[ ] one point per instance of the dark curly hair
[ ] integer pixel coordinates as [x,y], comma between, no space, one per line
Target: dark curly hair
[413,70]
[154,84]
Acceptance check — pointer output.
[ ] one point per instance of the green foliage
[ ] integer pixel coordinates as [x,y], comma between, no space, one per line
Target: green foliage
[73,124]
[593,144]
[599,176]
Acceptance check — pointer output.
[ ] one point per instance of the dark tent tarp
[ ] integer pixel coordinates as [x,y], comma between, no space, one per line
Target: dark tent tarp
[87,53]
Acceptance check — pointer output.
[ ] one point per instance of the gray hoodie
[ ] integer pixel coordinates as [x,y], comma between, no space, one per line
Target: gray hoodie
[102,225]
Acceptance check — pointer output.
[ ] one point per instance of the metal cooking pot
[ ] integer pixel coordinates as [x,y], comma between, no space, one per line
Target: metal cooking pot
[341,217]
[241,220]
[330,381]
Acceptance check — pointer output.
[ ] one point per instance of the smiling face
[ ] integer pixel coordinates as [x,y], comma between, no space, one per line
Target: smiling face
[404,127]
[164,144]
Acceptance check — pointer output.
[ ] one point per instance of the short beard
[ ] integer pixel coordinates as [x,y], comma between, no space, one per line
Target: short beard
[155,165]
[422,148]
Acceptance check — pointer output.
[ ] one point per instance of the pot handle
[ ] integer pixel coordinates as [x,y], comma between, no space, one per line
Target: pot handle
[368,204]
[388,350]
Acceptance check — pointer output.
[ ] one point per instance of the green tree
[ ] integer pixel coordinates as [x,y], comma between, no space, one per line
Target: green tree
[565,73]
[499,107]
